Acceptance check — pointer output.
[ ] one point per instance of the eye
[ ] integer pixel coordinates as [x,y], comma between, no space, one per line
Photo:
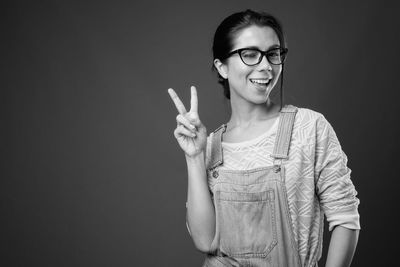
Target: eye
[276,53]
[250,54]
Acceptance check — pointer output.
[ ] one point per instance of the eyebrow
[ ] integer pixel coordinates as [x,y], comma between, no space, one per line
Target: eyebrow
[255,47]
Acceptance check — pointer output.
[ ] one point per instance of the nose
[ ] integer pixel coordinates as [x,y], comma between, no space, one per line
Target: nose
[264,64]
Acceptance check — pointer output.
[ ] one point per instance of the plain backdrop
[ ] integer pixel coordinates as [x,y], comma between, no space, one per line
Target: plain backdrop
[91,174]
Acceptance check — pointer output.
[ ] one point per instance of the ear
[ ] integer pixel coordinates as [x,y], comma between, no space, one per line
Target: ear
[221,68]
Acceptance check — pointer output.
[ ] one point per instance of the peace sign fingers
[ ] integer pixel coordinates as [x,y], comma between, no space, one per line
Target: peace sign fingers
[190,133]
[178,103]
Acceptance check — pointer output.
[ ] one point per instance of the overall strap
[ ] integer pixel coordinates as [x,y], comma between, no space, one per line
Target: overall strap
[216,158]
[284,133]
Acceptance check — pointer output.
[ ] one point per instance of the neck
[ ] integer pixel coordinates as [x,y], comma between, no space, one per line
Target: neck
[245,114]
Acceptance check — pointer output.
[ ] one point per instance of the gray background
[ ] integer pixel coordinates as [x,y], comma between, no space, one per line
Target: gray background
[91,174]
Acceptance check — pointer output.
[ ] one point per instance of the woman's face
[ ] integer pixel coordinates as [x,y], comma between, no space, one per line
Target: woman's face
[252,83]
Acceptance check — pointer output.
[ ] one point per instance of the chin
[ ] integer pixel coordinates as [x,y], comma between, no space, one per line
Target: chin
[261,99]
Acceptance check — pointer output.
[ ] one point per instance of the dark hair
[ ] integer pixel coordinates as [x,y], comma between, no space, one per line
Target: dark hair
[225,34]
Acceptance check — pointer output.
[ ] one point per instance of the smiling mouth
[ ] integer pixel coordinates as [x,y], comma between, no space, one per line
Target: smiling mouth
[262,82]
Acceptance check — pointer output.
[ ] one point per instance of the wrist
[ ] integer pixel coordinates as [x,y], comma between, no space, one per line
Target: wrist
[195,159]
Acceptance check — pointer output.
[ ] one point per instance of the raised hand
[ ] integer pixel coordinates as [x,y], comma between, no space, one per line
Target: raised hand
[190,132]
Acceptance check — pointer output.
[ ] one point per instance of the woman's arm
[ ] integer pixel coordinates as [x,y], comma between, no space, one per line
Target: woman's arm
[342,247]
[200,208]
[191,135]
[337,195]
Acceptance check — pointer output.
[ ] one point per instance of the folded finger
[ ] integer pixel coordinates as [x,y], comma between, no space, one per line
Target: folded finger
[180,119]
[182,131]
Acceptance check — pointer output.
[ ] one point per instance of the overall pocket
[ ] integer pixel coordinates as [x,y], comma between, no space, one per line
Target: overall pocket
[246,223]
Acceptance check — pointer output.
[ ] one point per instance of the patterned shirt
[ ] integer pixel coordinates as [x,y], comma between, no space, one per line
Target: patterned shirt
[317,178]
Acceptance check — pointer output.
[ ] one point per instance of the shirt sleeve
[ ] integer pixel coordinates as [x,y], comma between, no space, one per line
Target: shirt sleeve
[336,192]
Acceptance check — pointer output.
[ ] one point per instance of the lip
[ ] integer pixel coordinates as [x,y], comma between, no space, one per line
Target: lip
[263,78]
[261,87]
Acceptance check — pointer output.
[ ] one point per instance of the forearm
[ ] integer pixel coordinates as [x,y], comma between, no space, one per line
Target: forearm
[200,209]
[341,247]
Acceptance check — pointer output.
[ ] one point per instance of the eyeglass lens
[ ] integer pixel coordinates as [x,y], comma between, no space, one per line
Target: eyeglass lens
[253,57]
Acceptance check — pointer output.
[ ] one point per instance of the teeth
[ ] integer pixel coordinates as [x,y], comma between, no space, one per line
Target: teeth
[263,81]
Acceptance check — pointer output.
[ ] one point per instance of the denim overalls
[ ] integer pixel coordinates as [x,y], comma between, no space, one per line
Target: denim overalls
[253,224]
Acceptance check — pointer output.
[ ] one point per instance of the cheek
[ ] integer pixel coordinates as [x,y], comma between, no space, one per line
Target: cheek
[277,68]
[277,72]
[238,73]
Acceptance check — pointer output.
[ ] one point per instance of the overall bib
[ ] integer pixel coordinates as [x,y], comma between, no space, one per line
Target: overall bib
[253,224]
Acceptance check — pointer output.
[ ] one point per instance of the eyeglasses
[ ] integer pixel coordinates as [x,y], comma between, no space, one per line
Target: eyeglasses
[253,56]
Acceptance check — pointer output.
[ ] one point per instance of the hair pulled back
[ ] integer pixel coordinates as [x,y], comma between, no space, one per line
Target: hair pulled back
[230,26]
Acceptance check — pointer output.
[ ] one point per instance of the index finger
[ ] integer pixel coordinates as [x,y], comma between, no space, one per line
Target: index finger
[193,99]
[178,103]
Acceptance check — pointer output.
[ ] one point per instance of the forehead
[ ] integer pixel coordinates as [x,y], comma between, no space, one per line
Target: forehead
[262,37]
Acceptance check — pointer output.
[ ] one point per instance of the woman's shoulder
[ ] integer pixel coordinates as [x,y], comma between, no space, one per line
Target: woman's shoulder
[313,123]
[307,116]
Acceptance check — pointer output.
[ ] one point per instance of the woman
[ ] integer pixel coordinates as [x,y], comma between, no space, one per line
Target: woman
[259,185]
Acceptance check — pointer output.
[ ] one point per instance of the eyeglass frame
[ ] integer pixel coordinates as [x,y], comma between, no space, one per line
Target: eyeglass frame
[283,51]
